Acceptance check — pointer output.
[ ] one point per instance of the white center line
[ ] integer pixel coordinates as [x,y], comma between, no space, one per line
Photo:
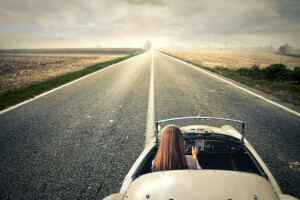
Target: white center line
[254,94]
[150,115]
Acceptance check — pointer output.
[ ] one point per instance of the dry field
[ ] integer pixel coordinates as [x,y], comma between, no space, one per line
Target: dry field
[235,60]
[18,70]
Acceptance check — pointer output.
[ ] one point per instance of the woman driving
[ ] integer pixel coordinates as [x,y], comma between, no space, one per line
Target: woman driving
[171,154]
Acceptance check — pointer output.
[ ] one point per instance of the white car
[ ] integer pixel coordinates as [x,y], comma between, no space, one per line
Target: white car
[231,169]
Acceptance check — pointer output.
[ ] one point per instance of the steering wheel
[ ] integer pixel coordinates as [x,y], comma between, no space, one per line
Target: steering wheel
[187,146]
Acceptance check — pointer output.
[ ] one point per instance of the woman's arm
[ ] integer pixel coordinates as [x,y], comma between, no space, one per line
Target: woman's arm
[195,152]
[192,162]
[195,155]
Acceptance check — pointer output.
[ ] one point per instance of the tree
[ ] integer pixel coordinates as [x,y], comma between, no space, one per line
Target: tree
[148,45]
[285,49]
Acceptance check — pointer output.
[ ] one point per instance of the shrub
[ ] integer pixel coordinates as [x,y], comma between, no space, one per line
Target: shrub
[221,68]
[276,72]
[255,68]
[243,71]
[296,75]
[253,72]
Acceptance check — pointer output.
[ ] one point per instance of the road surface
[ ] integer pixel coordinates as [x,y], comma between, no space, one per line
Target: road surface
[80,141]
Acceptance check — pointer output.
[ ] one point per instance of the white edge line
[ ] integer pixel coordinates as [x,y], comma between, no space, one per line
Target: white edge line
[254,94]
[150,114]
[43,94]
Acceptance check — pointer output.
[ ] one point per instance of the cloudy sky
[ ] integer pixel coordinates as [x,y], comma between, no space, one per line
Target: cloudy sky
[128,23]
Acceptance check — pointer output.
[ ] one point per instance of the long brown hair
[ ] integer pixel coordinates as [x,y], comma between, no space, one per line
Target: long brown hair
[170,154]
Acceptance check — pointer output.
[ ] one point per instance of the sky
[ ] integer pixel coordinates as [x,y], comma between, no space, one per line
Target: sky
[129,23]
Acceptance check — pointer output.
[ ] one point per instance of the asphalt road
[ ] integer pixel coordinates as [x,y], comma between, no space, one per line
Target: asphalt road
[80,141]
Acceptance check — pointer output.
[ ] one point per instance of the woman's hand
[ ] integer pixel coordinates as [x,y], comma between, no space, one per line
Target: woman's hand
[195,152]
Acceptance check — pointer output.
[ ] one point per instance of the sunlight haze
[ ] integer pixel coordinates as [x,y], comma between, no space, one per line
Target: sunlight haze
[129,23]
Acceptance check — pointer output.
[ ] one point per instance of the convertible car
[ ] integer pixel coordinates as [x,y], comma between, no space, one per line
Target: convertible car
[231,168]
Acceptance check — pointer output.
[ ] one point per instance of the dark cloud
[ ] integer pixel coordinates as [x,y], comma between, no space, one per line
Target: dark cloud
[76,23]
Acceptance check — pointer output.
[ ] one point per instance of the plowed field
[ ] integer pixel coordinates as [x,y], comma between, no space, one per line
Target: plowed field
[18,70]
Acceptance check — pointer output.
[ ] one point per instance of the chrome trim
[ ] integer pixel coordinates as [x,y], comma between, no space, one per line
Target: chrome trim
[173,119]
[217,118]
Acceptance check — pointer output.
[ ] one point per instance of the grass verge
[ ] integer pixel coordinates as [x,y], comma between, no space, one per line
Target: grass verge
[274,84]
[12,97]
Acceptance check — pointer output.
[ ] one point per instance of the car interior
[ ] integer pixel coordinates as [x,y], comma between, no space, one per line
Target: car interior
[217,155]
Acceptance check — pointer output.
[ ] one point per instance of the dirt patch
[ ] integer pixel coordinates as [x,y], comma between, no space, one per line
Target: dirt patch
[19,70]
